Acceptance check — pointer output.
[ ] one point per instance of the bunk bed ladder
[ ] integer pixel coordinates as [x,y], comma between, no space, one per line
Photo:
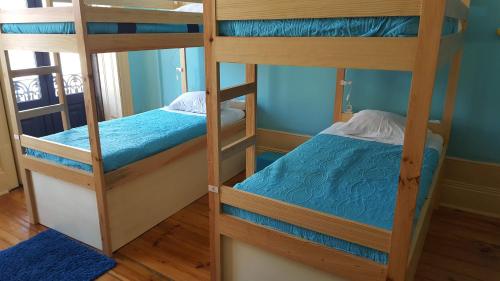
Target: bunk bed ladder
[17,116]
[17,131]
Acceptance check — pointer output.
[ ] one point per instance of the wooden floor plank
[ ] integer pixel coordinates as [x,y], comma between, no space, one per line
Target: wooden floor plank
[460,246]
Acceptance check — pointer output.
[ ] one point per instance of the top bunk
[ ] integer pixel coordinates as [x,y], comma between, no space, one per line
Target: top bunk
[106,26]
[366,34]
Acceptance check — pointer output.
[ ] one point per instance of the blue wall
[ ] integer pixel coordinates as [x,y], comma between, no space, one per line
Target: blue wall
[301,99]
[155,81]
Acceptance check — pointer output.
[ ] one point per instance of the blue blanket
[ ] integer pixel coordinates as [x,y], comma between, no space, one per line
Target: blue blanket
[129,139]
[349,178]
[99,28]
[329,27]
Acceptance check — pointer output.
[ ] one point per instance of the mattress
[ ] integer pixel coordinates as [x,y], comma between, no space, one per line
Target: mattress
[130,139]
[329,27]
[350,178]
[99,28]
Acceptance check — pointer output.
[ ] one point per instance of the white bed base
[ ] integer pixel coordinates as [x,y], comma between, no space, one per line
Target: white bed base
[244,262]
[134,207]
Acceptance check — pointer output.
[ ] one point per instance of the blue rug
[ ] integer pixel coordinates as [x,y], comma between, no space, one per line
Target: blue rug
[52,256]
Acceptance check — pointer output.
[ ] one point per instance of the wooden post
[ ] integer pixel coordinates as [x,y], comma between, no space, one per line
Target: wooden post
[92,123]
[183,64]
[451,93]
[17,130]
[424,74]
[339,95]
[213,137]
[251,119]
[60,85]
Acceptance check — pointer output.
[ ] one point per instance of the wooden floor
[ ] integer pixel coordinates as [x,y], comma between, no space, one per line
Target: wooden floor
[459,247]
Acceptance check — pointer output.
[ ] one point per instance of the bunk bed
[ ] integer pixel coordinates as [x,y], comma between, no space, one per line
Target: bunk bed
[108,182]
[274,225]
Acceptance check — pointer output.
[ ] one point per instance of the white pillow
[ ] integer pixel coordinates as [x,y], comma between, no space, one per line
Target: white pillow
[193,102]
[375,124]
[190,102]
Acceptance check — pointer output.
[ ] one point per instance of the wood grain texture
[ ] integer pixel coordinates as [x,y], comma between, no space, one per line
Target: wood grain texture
[237,146]
[64,43]
[42,70]
[312,254]
[460,246]
[148,4]
[339,95]
[296,9]
[71,175]
[92,123]
[353,52]
[65,151]
[104,14]
[214,145]
[40,111]
[184,70]
[424,75]
[251,118]
[104,43]
[309,219]
[238,91]
[34,15]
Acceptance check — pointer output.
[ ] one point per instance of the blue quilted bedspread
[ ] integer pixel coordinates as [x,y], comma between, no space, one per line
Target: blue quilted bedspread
[99,28]
[329,27]
[129,139]
[352,179]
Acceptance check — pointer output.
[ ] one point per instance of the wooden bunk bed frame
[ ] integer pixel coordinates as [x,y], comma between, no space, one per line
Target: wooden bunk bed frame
[116,224]
[420,55]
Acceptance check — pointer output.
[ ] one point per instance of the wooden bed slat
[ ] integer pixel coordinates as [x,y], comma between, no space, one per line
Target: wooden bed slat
[237,146]
[355,232]
[149,4]
[295,9]
[312,254]
[237,91]
[64,43]
[102,14]
[64,173]
[355,52]
[103,43]
[43,70]
[40,111]
[65,151]
[34,15]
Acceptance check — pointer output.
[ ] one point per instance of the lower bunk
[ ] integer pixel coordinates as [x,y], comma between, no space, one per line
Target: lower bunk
[155,164]
[280,219]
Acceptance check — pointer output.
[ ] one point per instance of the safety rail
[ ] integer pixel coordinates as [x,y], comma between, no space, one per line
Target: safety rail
[69,152]
[237,91]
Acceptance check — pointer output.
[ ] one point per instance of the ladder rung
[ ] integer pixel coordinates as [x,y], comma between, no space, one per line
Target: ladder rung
[43,70]
[238,91]
[40,111]
[237,146]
